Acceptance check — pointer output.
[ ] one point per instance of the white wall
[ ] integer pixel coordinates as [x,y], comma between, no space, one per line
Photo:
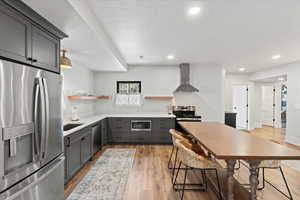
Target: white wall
[230,80]
[210,98]
[163,80]
[292,71]
[77,79]
[255,96]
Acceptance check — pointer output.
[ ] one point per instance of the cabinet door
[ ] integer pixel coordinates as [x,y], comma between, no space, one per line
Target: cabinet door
[161,127]
[104,133]
[45,50]
[96,138]
[86,147]
[73,157]
[14,35]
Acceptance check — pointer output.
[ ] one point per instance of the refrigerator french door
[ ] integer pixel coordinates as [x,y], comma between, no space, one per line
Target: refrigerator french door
[31,137]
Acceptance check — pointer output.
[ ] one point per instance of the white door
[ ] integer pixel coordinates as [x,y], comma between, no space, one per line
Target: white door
[240,105]
[268,105]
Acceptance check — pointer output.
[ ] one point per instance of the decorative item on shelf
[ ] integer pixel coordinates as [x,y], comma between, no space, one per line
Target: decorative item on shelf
[65,62]
[74,112]
[160,98]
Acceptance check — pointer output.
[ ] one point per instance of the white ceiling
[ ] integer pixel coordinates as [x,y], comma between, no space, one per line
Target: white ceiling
[229,33]
[83,46]
[273,80]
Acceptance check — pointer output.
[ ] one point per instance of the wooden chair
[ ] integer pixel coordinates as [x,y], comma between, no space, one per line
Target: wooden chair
[193,160]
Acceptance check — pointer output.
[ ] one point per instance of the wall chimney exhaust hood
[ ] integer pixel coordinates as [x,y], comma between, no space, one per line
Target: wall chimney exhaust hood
[185,85]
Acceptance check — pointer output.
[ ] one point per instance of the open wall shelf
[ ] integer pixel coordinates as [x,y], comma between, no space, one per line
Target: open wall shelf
[159,98]
[88,97]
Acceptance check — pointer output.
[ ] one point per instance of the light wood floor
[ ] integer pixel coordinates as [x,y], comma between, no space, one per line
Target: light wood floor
[149,178]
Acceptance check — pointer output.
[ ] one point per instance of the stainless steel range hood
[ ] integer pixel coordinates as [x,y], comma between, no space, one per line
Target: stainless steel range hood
[185,85]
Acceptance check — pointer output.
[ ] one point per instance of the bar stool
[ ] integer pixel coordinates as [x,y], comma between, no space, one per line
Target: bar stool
[274,164]
[176,135]
[192,160]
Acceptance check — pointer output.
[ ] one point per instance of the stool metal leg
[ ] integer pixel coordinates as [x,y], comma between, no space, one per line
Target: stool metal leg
[284,179]
[286,184]
[170,159]
[204,179]
[174,182]
[174,166]
[219,185]
[239,165]
[184,182]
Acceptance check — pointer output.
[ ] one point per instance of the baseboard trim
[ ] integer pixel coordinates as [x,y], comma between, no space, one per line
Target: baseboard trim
[294,164]
[292,140]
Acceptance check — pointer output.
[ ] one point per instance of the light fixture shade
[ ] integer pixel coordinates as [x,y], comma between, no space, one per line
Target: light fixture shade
[65,62]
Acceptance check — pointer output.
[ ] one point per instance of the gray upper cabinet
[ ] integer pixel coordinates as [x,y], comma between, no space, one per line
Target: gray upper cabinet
[27,37]
[14,35]
[45,50]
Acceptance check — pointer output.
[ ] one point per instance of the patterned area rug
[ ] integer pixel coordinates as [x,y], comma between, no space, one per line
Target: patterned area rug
[107,178]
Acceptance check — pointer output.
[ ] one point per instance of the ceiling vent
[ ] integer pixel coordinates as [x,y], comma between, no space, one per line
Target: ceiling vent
[185,85]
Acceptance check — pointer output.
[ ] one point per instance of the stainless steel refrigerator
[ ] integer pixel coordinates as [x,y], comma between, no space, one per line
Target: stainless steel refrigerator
[31,136]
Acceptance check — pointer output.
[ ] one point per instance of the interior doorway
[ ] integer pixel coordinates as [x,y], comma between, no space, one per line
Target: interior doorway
[240,105]
[283,105]
[268,105]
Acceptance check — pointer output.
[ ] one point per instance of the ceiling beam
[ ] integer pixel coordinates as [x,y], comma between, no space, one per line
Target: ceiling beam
[87,14]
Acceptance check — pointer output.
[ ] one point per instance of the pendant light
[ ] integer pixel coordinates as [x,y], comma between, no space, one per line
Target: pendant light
[65,62]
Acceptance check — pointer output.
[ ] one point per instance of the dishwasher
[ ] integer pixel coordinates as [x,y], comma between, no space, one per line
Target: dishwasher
[96,138]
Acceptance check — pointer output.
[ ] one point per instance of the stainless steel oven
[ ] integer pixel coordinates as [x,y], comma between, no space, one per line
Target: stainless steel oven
[141,125]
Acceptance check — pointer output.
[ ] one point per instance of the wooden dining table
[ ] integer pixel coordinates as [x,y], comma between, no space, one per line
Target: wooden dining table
[230,144]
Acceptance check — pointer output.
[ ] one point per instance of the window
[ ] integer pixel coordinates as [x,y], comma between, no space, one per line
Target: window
[129,87]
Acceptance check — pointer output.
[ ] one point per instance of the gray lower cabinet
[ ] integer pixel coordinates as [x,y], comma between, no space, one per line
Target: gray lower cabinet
[77,151]
[72,154]
[104,132]
[160,130]
[118,130]
[86,146]
[96,138]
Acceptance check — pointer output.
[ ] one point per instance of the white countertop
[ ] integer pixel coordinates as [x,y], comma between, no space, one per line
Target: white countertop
[93,119]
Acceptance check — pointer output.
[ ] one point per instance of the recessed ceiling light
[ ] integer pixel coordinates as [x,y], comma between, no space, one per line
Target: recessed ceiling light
[194,11]
[170,57]
[242,69]
[281,79]
[275,57]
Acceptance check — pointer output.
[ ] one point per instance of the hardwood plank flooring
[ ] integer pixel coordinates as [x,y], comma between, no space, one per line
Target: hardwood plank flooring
[150,178]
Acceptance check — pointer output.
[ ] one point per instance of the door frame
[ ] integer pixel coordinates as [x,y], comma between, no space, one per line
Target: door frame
[247,104]
[273,104]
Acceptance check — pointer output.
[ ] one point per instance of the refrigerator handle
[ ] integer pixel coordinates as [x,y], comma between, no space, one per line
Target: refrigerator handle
[36,120]
[43,117]
[47,117]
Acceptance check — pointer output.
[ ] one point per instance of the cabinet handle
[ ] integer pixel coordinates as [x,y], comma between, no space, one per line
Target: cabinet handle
[83,138]
[34,60]
[69,142]
[30,59]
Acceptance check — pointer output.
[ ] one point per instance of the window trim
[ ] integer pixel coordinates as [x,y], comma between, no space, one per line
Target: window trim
[128,82]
